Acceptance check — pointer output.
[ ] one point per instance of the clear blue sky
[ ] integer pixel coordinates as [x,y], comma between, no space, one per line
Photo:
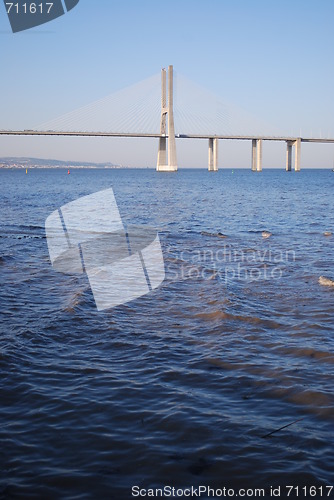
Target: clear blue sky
[272,58]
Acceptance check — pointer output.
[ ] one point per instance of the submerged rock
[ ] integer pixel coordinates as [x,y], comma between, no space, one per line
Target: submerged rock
[325,281]
[266,234]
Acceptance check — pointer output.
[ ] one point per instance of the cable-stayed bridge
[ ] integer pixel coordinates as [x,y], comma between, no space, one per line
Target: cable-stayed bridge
[152,109]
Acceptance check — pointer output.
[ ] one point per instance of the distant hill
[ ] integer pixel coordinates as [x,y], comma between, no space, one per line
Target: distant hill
[13,162]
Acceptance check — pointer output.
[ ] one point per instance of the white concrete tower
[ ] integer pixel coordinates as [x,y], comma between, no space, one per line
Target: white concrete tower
[167,161]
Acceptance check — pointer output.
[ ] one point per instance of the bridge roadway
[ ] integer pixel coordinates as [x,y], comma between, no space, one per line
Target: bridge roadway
[157,135]
[291,142]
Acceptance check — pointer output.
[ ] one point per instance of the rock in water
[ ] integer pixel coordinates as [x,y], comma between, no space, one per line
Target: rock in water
[325,281]
[266,234]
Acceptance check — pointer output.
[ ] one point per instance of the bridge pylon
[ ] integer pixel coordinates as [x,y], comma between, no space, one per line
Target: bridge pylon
[167,146]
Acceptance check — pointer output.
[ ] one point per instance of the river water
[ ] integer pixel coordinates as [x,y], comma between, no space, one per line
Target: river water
[189,384]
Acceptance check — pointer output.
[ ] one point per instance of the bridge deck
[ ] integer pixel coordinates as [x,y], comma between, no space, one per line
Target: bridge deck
[180,136]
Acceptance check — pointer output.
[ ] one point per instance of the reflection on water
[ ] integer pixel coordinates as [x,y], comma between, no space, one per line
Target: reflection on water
[182,386]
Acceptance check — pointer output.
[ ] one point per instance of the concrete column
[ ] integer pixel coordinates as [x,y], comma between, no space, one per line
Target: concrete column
[259,155]
[297,154]
[162,151]
[253,155]
[210,155]
[288,155]
[172,162]
[213,155]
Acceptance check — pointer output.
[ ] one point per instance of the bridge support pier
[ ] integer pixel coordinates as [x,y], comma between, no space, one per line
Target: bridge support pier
[167,148]
[289,145]
[213,155]
[297,146]
[257,155]
[253,155]
[297,155]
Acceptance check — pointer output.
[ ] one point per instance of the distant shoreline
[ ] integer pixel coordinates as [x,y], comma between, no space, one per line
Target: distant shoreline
[60,167]
[29,162]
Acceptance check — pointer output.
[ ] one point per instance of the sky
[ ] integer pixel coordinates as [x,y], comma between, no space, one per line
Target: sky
[272,59]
